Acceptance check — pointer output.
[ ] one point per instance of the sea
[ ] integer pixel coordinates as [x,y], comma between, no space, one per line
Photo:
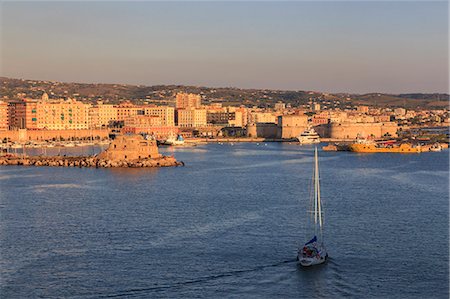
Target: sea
[227,225]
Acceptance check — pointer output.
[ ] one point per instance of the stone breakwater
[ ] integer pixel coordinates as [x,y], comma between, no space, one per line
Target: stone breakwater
[164,161]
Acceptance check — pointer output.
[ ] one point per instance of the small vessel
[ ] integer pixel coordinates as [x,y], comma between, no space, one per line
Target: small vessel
[384,148]
[330,148]
[179,140]
[314,252]
[436,147]
[309,136]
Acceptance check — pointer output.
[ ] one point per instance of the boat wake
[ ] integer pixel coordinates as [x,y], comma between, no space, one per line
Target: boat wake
[15,176]
[139,292]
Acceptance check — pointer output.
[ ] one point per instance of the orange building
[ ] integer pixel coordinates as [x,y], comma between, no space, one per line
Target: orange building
[165,113]
[255,117]
[51,115]
[126,109]
[191,117]
[188,100]
[62,115]
[4,121]
[23,114]
[142,121]
[130,147]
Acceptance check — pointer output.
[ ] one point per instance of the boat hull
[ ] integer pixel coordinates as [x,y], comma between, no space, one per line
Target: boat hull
[308,262]
[370,148]
[309,141]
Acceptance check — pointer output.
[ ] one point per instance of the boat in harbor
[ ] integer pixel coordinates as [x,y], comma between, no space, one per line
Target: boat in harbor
[404,148]
[172,140]
[435,147]
[309,136]
[314,252]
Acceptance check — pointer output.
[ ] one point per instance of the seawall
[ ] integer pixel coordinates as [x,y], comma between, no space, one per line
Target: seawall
[61,161]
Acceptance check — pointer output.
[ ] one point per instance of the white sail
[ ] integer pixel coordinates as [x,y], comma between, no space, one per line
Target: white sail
[319,204]
[314,252]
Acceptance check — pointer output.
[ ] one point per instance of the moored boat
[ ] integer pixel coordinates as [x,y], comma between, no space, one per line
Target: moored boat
[309,136]
[404,148]
[436,147]
[179,140]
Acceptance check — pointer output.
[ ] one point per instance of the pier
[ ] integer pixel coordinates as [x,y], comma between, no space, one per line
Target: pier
[95,162]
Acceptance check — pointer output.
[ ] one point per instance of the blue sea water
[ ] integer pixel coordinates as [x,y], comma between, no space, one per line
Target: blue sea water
[228,224]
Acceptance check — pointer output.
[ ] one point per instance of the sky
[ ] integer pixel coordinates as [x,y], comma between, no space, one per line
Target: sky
[357,47]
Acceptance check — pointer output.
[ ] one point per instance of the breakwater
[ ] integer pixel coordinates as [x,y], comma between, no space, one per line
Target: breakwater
[93,161]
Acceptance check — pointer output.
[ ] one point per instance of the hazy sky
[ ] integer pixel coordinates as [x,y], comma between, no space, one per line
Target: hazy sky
[324,46]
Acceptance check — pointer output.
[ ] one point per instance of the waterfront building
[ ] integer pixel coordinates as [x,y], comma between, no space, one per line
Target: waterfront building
[320,118]
[4,121]
[165,113]
[237,120]
[148,124]
[142,121]
[227,116]
[244,115]
[106,114]
[191,117]
[93,116]
[126,109]
[61,115]
[261,117]
[187,100]
[291,126]
[362,130]
[338,116]
[130,147]
[23,114]
[46,114]
[262,130]
[220,117]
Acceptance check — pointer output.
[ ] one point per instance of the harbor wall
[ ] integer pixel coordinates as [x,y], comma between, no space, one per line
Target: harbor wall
[262,130]
[363,130]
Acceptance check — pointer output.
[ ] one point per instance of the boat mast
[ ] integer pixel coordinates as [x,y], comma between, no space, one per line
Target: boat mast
[319,205]
[315,192]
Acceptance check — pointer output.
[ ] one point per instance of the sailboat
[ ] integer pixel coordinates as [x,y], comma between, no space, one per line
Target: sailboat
[314,252]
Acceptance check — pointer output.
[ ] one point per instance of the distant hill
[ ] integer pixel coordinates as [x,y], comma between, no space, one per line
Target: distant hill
[434,100]
[11,89]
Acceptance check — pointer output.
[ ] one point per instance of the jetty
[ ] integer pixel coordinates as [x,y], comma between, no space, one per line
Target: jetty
[125,151]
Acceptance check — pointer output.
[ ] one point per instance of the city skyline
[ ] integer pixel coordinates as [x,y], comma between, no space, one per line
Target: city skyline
[392,47]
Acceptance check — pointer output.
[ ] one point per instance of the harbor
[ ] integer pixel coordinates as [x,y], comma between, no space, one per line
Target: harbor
[206,227]
[124,151]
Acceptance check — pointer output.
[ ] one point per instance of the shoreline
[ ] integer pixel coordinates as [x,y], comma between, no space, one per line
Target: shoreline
[257,140]
[88,162]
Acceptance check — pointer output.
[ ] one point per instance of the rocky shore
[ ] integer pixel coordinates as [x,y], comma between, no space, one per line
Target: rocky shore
[58,161]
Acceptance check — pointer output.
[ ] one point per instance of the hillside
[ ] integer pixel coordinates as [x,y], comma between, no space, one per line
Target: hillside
[12,89]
